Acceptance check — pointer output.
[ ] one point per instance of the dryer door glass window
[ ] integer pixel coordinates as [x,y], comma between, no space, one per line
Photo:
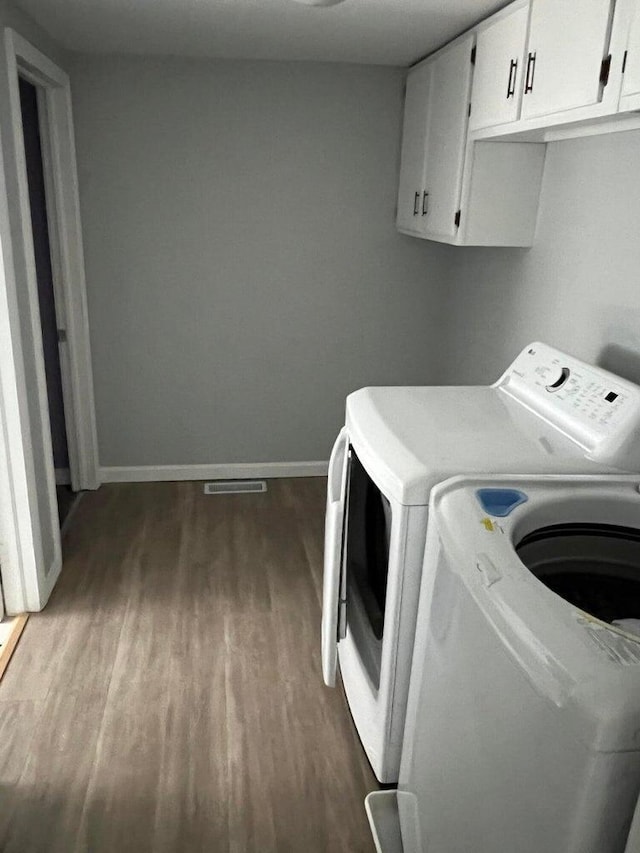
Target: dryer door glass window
[595,567]
[367,561]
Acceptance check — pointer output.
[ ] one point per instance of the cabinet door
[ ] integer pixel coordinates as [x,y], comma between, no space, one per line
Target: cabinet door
[630,95]
[496,93]
[568,39]
[447,122]
[413,149]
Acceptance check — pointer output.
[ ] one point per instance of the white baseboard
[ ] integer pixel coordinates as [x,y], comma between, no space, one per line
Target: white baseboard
[232,471]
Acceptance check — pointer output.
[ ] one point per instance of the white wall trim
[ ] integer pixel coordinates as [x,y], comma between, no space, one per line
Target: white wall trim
[67,254]
[231,471]
[27,580]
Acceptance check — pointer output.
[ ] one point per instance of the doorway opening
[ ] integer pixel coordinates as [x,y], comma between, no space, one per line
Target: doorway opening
[52,336]
[46,352]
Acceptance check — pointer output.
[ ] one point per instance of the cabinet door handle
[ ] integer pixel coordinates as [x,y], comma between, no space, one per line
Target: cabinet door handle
[425,203]
[416,204]
[531,70]
[511,85]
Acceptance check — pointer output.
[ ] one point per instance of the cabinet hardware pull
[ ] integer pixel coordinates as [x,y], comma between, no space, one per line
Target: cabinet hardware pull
[416,204]
[531,70]
[425,203]
[511,85]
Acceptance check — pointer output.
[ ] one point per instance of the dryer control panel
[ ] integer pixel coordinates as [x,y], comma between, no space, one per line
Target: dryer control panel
[595,408]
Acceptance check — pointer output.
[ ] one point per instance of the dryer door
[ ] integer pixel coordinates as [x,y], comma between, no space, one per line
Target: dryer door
[334,583]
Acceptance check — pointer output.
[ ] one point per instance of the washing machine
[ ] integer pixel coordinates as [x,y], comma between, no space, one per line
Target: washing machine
[523,723]
[548,413]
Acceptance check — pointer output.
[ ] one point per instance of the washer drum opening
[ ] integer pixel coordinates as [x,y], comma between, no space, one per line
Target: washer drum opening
[595,567]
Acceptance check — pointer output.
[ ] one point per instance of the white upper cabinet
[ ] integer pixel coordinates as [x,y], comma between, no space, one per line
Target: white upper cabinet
[497,77]
[453,190]
[479,112]
[414,136]
[630,95]
[447,119]
[433,143]
[568,41]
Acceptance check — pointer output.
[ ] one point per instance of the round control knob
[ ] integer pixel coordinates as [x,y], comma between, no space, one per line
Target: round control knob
[560,381]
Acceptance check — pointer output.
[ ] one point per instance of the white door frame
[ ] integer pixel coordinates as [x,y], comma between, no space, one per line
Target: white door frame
[26,582]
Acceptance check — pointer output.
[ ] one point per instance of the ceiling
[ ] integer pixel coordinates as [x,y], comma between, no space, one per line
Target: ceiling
[380,32]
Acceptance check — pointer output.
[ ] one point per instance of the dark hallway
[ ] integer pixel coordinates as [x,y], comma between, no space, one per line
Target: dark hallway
[46,296]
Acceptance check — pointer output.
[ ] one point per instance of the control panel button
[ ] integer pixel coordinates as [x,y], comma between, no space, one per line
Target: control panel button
[565,373]
[589,405]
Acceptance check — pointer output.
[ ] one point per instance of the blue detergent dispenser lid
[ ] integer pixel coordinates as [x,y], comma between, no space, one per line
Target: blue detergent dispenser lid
[500,502]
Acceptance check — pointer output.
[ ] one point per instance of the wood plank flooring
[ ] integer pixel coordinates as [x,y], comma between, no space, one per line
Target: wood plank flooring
[169,698]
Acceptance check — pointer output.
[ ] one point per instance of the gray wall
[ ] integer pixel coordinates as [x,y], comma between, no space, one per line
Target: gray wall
[578,288]
[11,16]
[243,269]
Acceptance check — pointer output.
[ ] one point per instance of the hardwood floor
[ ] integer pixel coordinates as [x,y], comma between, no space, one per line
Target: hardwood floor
[170,697]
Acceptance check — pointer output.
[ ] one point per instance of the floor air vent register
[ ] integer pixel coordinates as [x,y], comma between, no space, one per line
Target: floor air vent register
[232,487]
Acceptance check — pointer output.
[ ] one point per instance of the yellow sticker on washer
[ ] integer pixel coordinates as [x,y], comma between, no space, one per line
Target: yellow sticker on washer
[489,525]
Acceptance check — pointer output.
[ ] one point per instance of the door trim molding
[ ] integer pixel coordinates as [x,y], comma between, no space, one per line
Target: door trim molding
[63,214]
[27,575]
[231,471]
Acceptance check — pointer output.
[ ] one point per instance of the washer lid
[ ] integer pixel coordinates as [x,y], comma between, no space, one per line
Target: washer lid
[411,438]
[565,651]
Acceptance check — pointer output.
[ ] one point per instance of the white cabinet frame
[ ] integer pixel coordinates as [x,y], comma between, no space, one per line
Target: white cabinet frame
[602,117]
[630,92]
